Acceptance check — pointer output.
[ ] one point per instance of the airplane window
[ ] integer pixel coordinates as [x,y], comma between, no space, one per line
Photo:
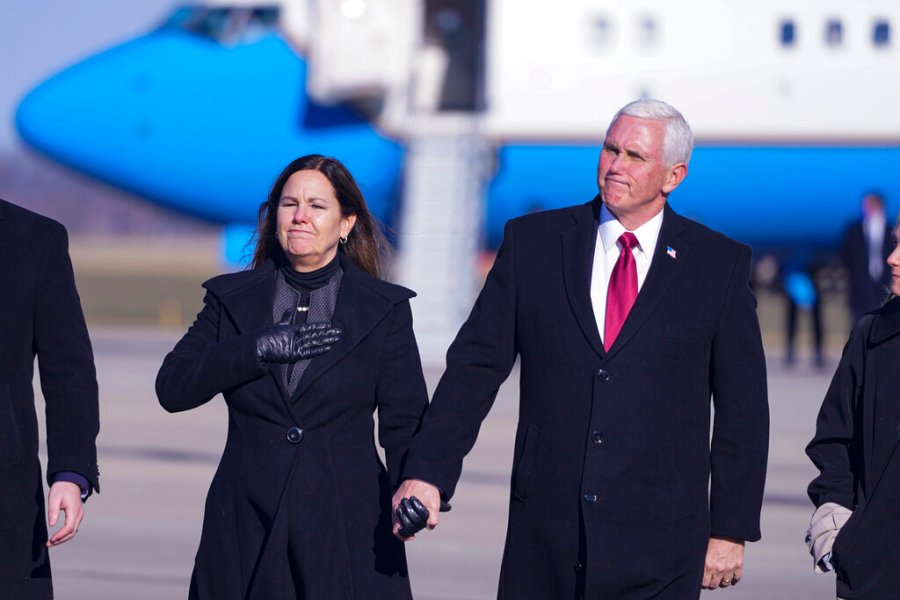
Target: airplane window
[881,33]
[788,33]
[647,31]
[834,32]
[225,25]
[601,32]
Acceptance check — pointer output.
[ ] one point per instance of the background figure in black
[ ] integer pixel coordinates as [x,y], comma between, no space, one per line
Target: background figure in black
[801,292]
[866,245]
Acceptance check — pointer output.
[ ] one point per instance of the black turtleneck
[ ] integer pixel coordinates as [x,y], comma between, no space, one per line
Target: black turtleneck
[305,283]
[311,280]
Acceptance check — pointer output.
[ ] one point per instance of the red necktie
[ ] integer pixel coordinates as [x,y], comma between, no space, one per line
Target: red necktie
[623,290]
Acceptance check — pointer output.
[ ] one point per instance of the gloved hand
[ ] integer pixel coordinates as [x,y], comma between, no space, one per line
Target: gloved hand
[413,516]
[284,343]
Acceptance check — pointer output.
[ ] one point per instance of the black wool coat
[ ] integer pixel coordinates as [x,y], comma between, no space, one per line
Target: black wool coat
[857,451]
[300,504]
[40,315]
[612,457]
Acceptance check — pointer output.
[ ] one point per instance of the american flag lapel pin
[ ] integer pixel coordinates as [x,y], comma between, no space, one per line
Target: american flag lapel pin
[671,252]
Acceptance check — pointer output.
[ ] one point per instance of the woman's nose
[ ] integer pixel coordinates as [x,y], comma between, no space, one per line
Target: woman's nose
[893,258]
[300,214]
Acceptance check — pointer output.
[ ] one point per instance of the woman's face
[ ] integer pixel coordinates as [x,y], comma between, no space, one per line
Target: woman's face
[309,221]
[893,262]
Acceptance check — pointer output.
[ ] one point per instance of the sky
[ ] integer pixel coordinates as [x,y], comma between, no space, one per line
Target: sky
[38,38]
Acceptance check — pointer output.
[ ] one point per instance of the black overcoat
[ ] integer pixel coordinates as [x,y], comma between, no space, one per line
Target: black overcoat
[612,455]
[300,504]
[40,315]
[856,448]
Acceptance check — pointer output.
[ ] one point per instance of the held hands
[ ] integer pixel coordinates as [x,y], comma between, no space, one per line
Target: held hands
[724,563]
[286,343]
[416,505]
[66,497]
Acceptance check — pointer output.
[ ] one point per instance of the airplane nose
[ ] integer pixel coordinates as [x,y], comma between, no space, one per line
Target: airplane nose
[200,126]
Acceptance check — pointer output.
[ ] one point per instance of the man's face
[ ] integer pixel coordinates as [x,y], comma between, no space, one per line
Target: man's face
[633,178]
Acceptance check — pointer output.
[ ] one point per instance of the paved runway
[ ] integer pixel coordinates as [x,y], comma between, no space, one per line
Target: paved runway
[140,533]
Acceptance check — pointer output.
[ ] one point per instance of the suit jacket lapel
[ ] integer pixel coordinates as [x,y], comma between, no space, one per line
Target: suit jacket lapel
[358,310]
[578,256]
[663,271]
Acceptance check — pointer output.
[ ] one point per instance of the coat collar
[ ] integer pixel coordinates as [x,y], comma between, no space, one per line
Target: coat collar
[578,250]
[578,253]
[362,302]
[887,322]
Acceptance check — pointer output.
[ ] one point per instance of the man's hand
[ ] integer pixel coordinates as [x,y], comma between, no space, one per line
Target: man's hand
[724,563]
[64,496]
[427,494]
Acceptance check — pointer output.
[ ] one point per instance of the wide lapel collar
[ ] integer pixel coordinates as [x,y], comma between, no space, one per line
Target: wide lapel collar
[250,308]
[578,258]
[672,249]
[887,322]
[359,308]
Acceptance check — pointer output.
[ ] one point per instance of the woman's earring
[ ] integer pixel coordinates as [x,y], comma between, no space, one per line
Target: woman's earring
[343,239]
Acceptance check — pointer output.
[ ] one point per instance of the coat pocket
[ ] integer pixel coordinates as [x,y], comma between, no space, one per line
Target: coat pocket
[10,438]
[525,462]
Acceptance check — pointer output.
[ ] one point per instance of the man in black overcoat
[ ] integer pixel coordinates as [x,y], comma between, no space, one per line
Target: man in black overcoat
[626,319]
[864,249]
[40,315]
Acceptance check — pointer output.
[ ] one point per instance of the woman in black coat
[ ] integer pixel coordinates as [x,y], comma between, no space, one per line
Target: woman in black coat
[856,527]
[304,348]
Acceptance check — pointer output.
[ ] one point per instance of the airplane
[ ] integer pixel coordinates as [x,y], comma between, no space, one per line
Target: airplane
[790,104]
[466,113]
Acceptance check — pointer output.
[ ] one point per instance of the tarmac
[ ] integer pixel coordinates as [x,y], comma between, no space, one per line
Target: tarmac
[140,533]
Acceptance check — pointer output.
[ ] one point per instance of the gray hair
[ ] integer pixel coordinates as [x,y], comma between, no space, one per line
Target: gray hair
[679,140]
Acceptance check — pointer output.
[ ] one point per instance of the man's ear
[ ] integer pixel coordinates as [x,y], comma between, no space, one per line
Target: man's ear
[676,175]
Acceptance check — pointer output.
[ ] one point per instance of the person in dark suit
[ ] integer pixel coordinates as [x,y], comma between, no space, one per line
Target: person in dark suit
[612,459]
[864,249]
[856,524]
[304,348]
[41,316]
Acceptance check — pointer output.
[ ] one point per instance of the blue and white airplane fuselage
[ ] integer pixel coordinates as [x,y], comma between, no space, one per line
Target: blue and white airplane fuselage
[201,115]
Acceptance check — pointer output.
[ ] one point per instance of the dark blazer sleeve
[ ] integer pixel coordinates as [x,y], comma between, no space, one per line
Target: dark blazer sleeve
[66,364]
[740,442]
[401,393]
[478,362]
[832,447]
[201,365]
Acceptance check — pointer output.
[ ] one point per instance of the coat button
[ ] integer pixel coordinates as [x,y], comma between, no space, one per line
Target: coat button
[597,437]
[590,498]
[578,566]
[602,374]
[294,435]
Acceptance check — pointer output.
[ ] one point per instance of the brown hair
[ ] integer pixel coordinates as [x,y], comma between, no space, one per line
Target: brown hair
[366,245]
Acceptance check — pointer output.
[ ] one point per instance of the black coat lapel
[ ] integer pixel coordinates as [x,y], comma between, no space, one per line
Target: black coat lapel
[887,322]
[249,303]
[578,257]
[663,270]
[358,310]
[249,306]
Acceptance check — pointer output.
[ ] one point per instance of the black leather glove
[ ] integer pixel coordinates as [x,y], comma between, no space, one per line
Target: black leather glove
[412,516]
[282,343]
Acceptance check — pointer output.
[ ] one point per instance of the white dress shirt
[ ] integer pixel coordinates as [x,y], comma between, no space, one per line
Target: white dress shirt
[606,253]
[873,229]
